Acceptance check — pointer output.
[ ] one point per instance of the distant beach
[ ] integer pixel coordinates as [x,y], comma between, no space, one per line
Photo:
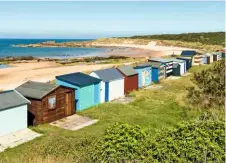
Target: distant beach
[7,49]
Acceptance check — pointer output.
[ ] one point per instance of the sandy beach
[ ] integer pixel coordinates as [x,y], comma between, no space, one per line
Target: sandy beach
[46,71]
[14,76]
[151,49]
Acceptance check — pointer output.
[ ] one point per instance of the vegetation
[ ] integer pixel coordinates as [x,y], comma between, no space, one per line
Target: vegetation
[152,110]
[209,89]
[197,141]
[209,38]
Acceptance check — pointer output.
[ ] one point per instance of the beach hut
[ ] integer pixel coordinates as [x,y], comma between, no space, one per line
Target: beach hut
[13,112]
[205,59]
[130,78]
[167,62]
[188,53]
[209,58]
[48,101]
[176,69]
[219,55]
[158,71]
[182,64]
[144,74]
[87,88]
[197,60]
[188,61]
[223,53]
[112,84]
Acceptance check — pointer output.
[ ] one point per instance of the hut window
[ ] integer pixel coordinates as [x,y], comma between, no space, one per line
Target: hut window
[52,102]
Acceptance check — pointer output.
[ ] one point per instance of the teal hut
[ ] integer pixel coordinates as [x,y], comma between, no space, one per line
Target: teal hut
[176,69]
[144,74]
[87,88]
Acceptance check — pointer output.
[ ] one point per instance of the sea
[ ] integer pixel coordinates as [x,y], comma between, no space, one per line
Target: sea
[6,49]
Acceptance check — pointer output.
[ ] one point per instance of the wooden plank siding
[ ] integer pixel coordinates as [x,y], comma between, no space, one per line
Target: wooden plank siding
[42,112]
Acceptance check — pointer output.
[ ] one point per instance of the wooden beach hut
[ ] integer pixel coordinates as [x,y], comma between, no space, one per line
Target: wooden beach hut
[158,71]
[130,78]
[87,88]
[182,64]
[188,61]
[144,74]
[167,62]
[112,84]
[48,101]
[13,112]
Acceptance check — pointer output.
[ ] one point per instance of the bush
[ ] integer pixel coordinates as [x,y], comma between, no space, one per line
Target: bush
[197,141]
[210,87]
[121,142]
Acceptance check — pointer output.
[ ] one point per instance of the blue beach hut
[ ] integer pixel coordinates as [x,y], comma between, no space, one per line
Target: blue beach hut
[87,88]
[144,74]
[158,71]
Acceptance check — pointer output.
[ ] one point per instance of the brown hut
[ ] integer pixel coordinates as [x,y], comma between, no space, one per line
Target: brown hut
[48,102]
[131,78]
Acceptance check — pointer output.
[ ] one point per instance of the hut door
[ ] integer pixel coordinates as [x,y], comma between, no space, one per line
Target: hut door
[68,103]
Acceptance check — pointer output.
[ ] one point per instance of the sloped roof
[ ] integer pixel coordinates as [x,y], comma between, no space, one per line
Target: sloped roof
[156,64]
[109,74]
[177,60]
[162,60]
[188,53]
[143,65]
[184,58]
[78,79]
[36,90]
[127,70]
[11,98]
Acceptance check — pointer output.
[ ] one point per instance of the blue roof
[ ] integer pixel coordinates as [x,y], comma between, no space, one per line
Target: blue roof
[188,53]
[109,74]
[78,79]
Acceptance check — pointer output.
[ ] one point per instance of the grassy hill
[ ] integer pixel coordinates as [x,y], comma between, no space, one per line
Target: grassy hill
[210,38]
[153,109]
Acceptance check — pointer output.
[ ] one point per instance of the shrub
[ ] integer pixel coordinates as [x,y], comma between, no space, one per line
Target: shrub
[197,141]
[210,87]
[121,142]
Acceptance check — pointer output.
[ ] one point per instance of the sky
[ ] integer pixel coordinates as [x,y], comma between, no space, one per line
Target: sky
[107,19]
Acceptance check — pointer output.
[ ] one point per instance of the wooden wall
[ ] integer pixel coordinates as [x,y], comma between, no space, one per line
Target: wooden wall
[131,83]
[41,111]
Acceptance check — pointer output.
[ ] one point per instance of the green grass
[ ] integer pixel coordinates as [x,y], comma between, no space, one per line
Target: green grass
[153,109]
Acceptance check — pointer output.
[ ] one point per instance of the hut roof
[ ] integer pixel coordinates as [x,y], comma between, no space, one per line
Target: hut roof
[177,60]
[188,53]
[143,65]
[156,64]
[127,70]
[184,58]
[162,60]
[109,74]
[78,79]
[36,90]
[11,98]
